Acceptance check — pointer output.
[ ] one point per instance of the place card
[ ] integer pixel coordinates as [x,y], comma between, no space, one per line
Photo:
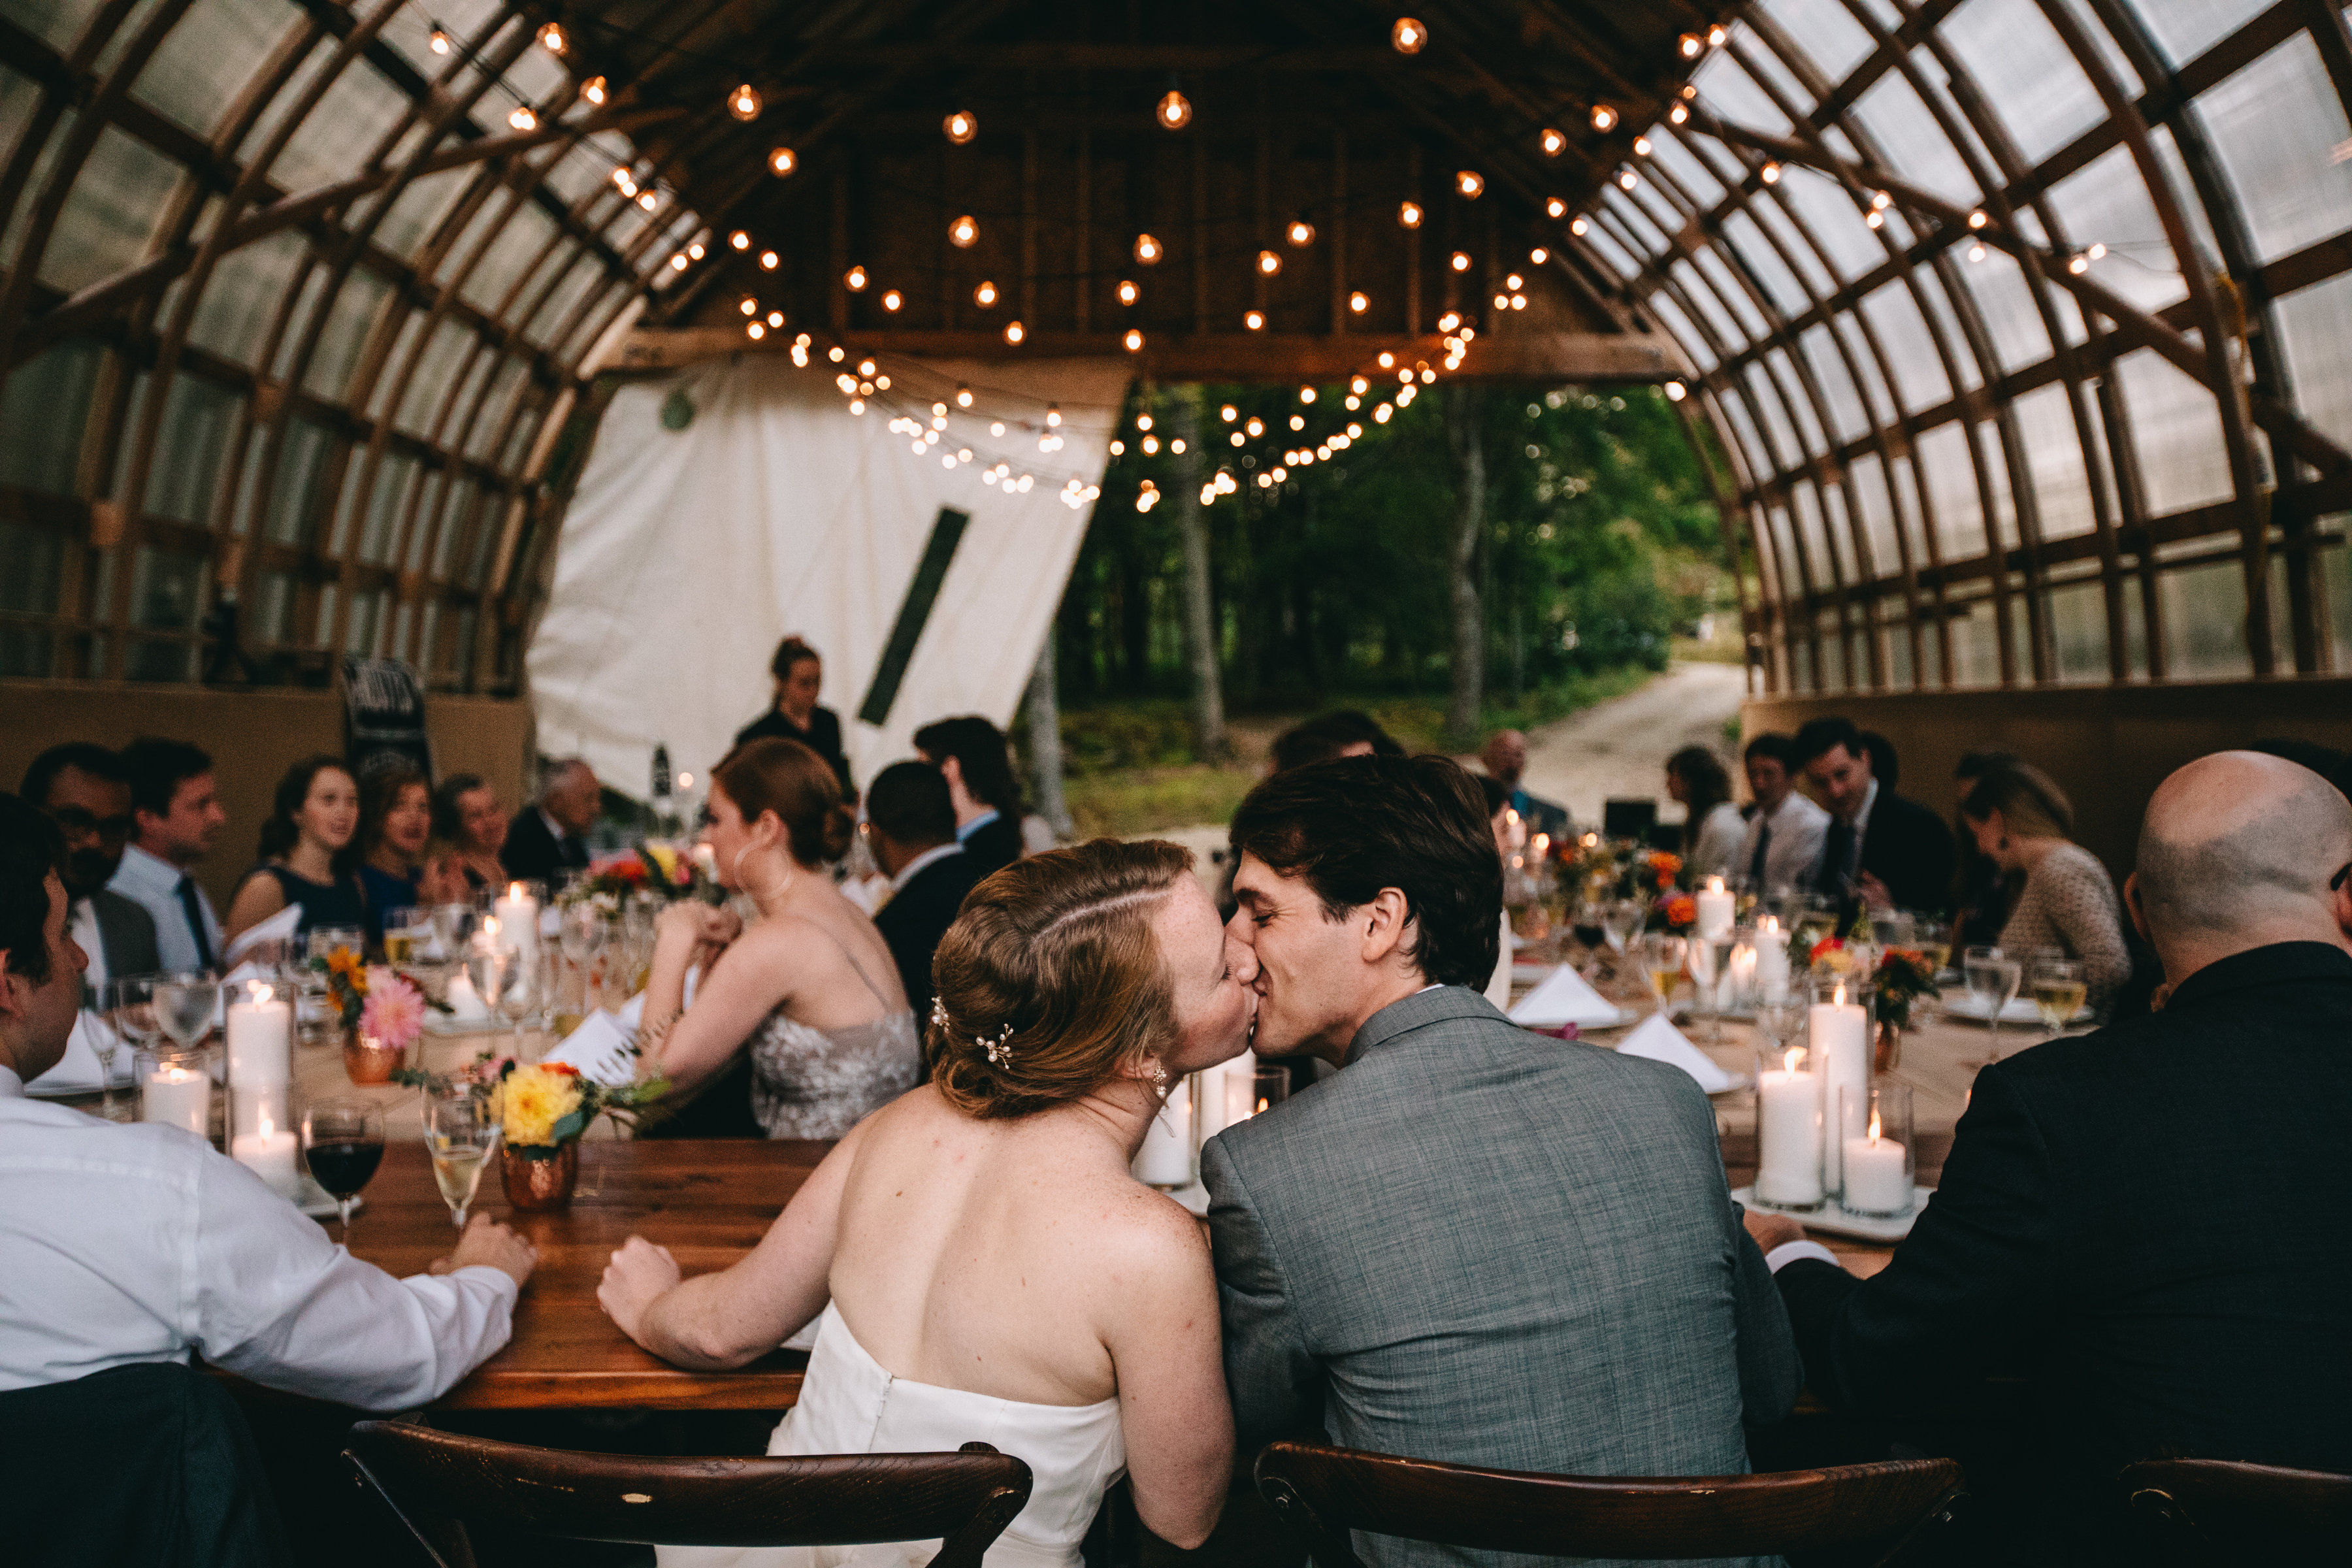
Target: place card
[602,1048]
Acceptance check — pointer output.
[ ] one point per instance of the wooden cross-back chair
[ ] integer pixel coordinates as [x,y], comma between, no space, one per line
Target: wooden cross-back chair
[1877,1514]
[435,1481]
[2216,1512]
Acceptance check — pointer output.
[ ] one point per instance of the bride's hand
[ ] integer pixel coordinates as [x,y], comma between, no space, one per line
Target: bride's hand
[639,1274]
[694,925]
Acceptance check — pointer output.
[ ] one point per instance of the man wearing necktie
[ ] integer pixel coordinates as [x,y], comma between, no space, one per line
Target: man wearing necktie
[175,815]
[1783,848]
[1880,849]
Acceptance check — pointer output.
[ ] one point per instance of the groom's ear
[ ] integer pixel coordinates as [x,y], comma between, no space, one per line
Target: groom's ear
[1386,922]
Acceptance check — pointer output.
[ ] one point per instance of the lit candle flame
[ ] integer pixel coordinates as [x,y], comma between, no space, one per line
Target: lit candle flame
[267,1127]
[514,892]
[1837,996]
[262,992]
[1796,1052]
[1873,1128]
[489,925]
[1715,884]
[1261,1108]
[1771,923]
[1543,843]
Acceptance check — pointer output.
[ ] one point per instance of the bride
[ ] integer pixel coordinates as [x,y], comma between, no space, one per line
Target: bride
[986,1268]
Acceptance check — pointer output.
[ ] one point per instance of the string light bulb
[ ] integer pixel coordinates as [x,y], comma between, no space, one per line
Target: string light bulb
[1627,179]
[892,298]
[1408,37]
[1255,428]
[522,119]
[963,232]
[552,39]
[1147,250]
[1269,262]
[1053,415]
[755,331]
[743,103]
[1448,322]
[1691,45]
[1174,112]
[695,250]
[960,127]
[1358,303]
[648,200]
[963,396]
[1769,173]
[1604,118]
[1716,35]
[439,42]
[1014,332]
[1975,250]
[854,279]
[1978,219]
[739,240]
[1641,146]
[769,261]
[1300,232]
[594,89]
[622,178]
[782,161]
[985,295]
[1555,207]
[1539,255]
[1134,341]
[1255,320]
[751,306]
[1678,113]
[1461,261]
[1408,214]
[1470,184]
[1128,291]
[775,317]
[1554,143]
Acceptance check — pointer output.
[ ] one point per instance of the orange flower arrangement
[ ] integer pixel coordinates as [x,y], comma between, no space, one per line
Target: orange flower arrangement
[1682,910]
[1666,866]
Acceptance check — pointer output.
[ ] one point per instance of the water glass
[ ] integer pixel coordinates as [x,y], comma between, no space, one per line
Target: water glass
[185,1004]
[1992,977]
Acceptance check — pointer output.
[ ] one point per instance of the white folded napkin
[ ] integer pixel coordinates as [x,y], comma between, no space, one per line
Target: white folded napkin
[1662,1042]
[1565,998]
[281,925]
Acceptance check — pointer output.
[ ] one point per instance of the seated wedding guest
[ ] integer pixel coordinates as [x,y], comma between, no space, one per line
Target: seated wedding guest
[1473,1244]
[1712,831]
[1497,989]
[1342,732]
[1780,842]
[1884,848]
[2060,897]
[2147,1219]
[911,825]
[175,815]
[1982,894]
[1506,759]
[551,838]
[395,825]
[306,853]
[87,1207]
[86,793]
[811,991]
[469,829]
[799,674]
[970,754]
[978,1259]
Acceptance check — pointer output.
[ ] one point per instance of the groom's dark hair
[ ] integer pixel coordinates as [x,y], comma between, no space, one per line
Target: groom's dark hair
[1353,825]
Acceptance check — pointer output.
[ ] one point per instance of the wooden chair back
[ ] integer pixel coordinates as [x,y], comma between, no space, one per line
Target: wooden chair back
[1877,1513]
[2218,1510]
[435,1481]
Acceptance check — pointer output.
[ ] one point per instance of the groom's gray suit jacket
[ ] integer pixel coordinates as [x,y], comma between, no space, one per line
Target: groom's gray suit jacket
[1484,1246]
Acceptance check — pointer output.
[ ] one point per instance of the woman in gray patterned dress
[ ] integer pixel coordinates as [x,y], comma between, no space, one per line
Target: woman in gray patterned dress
[2021,819]
[809,989]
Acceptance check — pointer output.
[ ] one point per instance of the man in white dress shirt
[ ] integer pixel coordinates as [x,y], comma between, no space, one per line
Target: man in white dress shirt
[139,1243]
[175,813]
[1782,846]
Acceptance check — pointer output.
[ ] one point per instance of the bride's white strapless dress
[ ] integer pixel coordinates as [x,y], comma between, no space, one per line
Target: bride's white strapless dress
[850,1403]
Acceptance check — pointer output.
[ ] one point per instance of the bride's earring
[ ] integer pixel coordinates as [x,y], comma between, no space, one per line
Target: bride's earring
[1159,1073]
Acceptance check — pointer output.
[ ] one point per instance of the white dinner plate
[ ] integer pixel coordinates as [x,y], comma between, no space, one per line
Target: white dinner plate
[1832,1220]
[2019,1010]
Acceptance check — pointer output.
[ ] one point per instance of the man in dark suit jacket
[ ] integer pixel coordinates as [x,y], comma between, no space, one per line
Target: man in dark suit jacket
[2150,1218]
[1890,852]
[911,828]
[86,792]
[1473,1245]
[549,838]
[970,754]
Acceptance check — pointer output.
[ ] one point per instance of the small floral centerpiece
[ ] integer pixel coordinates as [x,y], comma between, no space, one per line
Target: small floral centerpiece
[1903,975]
[381,1014]
[1663,867]
[544,1109]
[1675,912]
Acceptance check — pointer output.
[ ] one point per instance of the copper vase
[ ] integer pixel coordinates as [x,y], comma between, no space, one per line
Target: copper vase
[368,1059]
[540,1178]
[1887,1052]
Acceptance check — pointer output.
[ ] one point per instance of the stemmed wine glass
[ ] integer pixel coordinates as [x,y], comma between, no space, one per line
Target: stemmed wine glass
[1992,978]
[502,980]
[584,933]
[1779,1019]
[461,1130]
[1710,962]
[185,1004]
[129,1002]
[2060,988]
[1663,957]
[1621,922]
[343,1141]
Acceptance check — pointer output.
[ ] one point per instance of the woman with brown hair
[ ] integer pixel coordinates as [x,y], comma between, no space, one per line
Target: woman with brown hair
[798,672]
[2063,896]
[306,853]
[810,990]
[396,822]
[982,1262]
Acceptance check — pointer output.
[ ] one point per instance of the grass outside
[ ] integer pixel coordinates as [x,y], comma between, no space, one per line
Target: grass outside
[1132,769]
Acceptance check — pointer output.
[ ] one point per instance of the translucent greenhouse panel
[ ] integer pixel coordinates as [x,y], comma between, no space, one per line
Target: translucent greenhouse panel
[581,277]
[2192,207]
[20,95]
[1832,39]
[1867,499]
[1769,71]
[59,23]
[405,338]
[1832,647]
[488,424]
[241,297]
[1854,561]
[403,617]
[200,421]
[2005,304]
[1919,371]
[1927,288]
[1908,139]
[2278,126]
[1636,225]
[1616,256]
[167,589]
[293,498]
[1774,220]
[1752,452]
[1828,212]
[1910,516]
[2177,429]
[1849,420]
[2109,203]
[2054,458]
[209,56]
[2109,54]
[1733,293]
[429,660]
[1866,366]
[2031,78]
[1797,574]
[1764,265]
[1664,211]
[519,240]
[1975,646]
[2205,622]
[1678,325]
[45,406]
[353,315]
[357,113]
[34,559]
[417,213]
[104,226]
[1942,458]
[1995,468]
[2187,29]
[2336,586]
[2315,327]
[1834,562]
[2078,625]
[432,489]
[1799,400]
[455,516]
[1899,674]
[1695,289]
[394,480]
[348,501]
[1731,94]
[434,377]
[365,627]
[1667,149]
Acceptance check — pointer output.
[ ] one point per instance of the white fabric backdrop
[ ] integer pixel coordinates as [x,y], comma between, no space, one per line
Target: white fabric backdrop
[686,555]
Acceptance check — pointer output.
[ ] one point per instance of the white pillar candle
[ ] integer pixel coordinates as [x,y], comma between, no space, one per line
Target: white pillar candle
[1789,1135]
[1841,1045]
[1877,1175]
[260,1040]
[1225,1095]
[1771,960]
[1166,1158]
[1739,987]
[178,1098]
[267,1152]
[1241,1087]
[465,1003]
[517,917]
[1717,908]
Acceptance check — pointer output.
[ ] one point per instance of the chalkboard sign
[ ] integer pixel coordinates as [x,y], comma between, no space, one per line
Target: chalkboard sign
[384,717]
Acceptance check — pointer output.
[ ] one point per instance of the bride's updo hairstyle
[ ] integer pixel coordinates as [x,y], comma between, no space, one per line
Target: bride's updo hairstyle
[787,778]
[1050,980]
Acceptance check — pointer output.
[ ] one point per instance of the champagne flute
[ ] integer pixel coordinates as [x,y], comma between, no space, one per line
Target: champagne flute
[1992,979]
[461,1130]
[1663,957]
[343,1141]
[2060,988]
[501,981]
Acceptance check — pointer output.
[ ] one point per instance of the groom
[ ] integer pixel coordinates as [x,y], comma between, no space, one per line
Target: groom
[1474,1244]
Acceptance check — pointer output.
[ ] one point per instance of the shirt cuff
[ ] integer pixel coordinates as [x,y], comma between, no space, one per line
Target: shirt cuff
[1789,1252]
[498,1279]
